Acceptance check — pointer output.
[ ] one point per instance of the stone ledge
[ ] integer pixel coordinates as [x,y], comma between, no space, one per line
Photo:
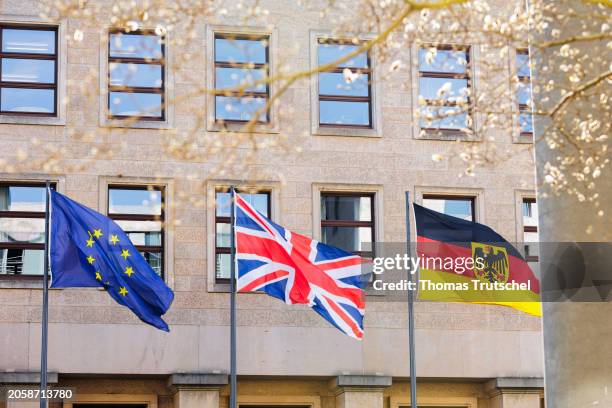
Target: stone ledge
[515,383]
[196,380]
[361,381]
[26,378]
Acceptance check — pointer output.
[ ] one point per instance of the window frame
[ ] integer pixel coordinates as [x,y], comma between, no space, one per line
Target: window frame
[453,197]
[348,223]
[227,220]
[525,80]
[528,228]
[43,57]
[468,76]
[143,217]
[132,89]
[250,65]
[23,214]
[345,98]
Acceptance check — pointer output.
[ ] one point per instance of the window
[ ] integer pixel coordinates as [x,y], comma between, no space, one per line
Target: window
[136,63]
[345,90]
[444,88]
[22,229]
[259,200]
[28,83]
[241,60]
[139,211]
[530,229]
[456,206]
[347,222]
[523,94]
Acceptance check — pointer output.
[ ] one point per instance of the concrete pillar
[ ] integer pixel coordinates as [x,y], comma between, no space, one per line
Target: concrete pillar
[515,392]
[356,391]
[196,390]
[578,356]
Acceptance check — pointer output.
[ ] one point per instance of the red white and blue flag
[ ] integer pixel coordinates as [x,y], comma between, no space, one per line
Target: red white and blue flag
[298,270]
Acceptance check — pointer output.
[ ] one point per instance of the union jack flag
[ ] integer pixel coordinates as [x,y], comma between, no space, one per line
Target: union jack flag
[298,270]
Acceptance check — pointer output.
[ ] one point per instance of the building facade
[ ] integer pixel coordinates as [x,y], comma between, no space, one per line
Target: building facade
[361,149]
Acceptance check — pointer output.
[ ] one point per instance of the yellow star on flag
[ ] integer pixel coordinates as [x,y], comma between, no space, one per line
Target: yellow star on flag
[129,271]
[98,276]
[125,254]
[114,239]
[97,233]
[123,291]
[91,259]
[89,242]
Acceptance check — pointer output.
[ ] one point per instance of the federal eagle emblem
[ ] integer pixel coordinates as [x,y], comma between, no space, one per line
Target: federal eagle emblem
[495,259]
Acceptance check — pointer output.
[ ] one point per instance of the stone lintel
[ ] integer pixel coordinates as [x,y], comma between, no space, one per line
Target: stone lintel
[196,380]
[515,384]
[26,378]
[360,382]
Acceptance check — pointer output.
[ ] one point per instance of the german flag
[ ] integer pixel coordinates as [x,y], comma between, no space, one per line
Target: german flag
[464,261]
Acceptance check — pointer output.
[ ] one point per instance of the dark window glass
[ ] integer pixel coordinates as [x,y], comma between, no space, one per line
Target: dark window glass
[444,88]
[460,207]
[523,93]
[139,211]
[22,229]
[136,75]
[28,63]
[344,90]
[347,222]
[240,61]
[260,201]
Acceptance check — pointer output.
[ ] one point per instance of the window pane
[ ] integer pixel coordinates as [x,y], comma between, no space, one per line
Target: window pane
[526,122]
[460,207]
[139,75]
[530,214]
[350,239]
[522,65]
[134,201]
[28,70]
[31,230]
[240,108]
[223,266]
[21,261]
[437,60]
[241,50]
[332,83]
[27,100]
[344,113]
[155,260]
[26,41]
[135,104]
[447,89]
[523,93]
[22,198]
[223,235]
[232,78]
[146,233]
[328,53]
[258,200]
[443,117]
[346,208]
[135,46]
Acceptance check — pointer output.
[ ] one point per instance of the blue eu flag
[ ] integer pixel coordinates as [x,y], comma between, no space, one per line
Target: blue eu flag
[88,249]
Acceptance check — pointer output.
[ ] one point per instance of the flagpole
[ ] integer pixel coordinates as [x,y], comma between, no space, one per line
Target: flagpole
[45,305]
[411,275]
[233,384]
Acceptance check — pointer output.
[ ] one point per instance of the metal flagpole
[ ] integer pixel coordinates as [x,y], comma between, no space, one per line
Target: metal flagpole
[411,276]
[45,305]
[233,384]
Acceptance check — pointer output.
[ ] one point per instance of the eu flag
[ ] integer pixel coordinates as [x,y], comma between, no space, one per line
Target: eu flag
[88,249]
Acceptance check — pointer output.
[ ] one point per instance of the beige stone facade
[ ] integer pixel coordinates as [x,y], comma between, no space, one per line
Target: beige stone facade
[472,356]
